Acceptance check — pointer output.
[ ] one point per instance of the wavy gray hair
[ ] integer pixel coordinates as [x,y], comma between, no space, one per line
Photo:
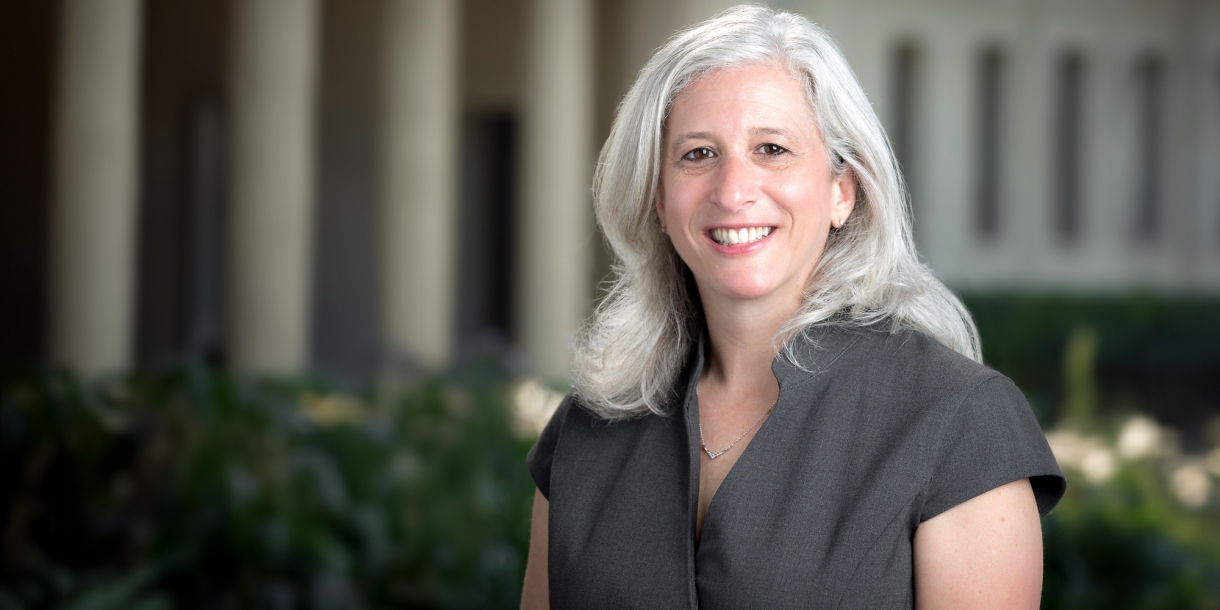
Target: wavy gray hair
[630,354]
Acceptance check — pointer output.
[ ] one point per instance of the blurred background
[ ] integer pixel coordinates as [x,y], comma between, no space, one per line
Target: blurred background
[288,285]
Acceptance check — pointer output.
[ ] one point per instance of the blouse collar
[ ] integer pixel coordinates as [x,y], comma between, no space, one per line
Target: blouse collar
[810,353]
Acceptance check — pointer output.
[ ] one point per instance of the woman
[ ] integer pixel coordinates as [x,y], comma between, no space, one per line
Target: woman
[776,405]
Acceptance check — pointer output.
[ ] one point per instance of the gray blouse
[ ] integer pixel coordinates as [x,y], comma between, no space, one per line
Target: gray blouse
[887,431]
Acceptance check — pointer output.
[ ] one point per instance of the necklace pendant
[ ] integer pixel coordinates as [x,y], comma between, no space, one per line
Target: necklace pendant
[703,441]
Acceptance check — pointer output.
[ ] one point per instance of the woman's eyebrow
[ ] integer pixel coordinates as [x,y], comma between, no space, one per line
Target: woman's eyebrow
[756,132]
[772,131]
[686,137]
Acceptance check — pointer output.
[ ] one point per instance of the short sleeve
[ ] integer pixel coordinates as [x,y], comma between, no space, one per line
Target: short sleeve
[992,439]
[538,460]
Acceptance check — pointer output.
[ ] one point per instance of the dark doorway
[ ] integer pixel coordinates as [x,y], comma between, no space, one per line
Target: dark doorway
[486,230]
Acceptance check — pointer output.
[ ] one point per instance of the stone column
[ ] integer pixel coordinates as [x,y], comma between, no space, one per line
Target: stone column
[418,183]
[274,64]
[555,236]
[938,129]
[94,195]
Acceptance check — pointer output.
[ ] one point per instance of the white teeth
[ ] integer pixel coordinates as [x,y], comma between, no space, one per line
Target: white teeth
[731,237]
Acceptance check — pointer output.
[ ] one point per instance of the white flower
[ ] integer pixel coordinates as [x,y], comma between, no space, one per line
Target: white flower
[1139,438]
[331,409]
[533,404]
[1211,430]
[1213,461]
[1191,485]
[1098,465]
[1069,448]
[1087,454]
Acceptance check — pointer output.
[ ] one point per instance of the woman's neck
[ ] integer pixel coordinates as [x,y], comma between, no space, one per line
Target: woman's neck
[742,337]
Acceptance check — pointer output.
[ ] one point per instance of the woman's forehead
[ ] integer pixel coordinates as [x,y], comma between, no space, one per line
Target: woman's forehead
[758,98]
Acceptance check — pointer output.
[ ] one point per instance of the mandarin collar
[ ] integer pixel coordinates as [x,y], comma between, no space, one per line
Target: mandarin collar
[810,353]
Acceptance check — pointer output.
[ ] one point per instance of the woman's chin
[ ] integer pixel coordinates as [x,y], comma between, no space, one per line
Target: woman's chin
[746,290]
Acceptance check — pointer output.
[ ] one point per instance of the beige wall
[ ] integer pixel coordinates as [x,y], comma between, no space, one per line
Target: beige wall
[1112,36]
[501,69]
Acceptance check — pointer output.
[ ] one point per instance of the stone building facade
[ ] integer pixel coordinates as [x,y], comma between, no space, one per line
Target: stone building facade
[343,187]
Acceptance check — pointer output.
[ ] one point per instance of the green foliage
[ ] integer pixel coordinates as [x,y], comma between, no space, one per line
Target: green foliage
[194,489]
[1080,379]
[1120,539]
[1127,544]
[1160,353]
[123,594]
[198,490]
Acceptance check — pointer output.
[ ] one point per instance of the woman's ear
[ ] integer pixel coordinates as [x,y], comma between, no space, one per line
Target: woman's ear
[842,198]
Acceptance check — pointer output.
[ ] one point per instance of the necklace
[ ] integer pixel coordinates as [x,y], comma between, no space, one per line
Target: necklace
[715,454]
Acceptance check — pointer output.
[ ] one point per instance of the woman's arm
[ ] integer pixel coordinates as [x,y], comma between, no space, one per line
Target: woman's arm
[983,553]
[535,595]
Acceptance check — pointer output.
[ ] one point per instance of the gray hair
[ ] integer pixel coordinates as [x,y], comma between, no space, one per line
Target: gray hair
[630,354]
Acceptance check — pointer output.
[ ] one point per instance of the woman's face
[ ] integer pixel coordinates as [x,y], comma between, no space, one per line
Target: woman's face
[747,196]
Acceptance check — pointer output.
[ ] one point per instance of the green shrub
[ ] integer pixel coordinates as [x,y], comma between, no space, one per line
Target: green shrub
[1126,545]
[195,489]
[206,491]
[1158,353]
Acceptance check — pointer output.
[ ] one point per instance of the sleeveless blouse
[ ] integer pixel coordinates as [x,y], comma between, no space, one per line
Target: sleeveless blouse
[873,433]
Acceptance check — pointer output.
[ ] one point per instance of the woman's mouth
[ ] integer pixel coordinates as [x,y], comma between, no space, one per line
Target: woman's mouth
[745,235]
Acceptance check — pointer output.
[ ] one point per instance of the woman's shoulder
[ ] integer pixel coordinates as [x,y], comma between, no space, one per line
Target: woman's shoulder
[586,433]
[910,361]
[970,426]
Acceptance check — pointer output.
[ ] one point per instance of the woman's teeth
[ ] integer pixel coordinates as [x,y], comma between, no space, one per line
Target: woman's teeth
[731,237]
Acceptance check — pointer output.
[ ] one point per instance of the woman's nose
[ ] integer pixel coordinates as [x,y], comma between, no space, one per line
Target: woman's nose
[735,186]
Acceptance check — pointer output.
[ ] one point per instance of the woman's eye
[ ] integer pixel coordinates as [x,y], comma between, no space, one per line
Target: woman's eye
[772,149]
[698,154]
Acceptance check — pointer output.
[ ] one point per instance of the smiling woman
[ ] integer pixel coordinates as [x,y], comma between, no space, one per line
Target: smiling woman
[776,405]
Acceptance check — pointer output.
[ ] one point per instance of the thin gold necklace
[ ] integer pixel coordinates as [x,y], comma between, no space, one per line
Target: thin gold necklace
[715,454]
